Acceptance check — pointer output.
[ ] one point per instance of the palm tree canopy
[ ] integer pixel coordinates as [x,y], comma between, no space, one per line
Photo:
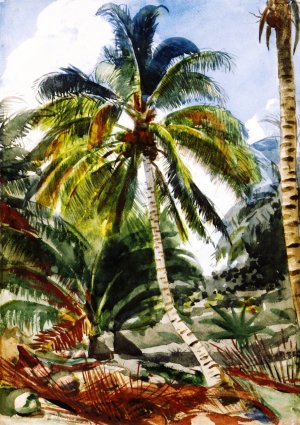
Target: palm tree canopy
[94,161]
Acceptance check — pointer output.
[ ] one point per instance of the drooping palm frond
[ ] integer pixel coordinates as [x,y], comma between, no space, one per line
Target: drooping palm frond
[102,124]
[187,76]
[184,189]
[63,109]
[169,203]
[59,139]
[144,27]
[27,314]
[218,156]
[184,87]
[71,81]
[215,121]
[262,22]
[163,55]
[296,18]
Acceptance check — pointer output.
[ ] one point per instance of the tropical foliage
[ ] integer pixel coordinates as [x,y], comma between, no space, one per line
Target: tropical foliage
[93,159]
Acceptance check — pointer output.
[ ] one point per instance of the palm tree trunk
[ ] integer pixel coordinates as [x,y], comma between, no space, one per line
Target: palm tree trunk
[211,371]
[288,148]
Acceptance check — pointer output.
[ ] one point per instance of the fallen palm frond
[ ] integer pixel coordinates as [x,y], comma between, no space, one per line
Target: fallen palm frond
[109,397]
[275,367]
[63,336]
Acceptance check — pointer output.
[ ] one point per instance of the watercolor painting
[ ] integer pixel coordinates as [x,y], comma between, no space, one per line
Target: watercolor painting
[150,245]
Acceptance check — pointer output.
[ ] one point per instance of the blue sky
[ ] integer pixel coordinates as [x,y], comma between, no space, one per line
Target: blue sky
[40,36]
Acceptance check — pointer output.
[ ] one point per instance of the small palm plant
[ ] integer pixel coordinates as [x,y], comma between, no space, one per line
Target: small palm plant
[235,326]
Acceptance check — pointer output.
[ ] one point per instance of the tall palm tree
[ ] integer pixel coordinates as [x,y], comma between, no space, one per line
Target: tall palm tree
[279,15]
[95,159]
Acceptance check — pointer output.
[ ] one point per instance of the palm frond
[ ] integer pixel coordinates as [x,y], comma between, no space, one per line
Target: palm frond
[15,127]
[58,291]
[163,56]
[102,124]
[27,314]
[55,175]
[178,88]
[61,138]
[61,110]
[144,27]
[63,336]
[296,17]
[70,81]
[262,22]
[166,198]
[169,147]
[127,192]
[233,164]
[120,77]
[120,18]
[80,191]
[213,120]
[187,75]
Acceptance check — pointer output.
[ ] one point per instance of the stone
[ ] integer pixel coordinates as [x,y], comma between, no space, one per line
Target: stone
[122,345]
[98,349]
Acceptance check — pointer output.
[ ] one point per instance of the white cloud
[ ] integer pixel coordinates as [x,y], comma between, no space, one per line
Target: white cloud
[255,130]
[257,127]
[68,32]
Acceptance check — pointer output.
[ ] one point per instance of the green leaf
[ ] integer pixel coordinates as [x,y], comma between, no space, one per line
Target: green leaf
[24,314]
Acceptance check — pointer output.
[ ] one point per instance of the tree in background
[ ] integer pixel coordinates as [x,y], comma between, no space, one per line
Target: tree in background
[93,167]
[279,14]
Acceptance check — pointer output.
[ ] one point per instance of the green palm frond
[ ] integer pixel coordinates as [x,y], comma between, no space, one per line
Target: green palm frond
[27,314]
[56,173]
[120,78]
[183,195]
[214,121]
[61,138]
[64,109]
[186,76]
[81,190]
[125,50]
[169,203]
[126,195]
[225,161]
[187,192]
[15,127]
[178,88]
[169,147]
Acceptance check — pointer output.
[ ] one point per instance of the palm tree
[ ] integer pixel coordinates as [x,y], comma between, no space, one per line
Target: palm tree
[94,159]
[279,15]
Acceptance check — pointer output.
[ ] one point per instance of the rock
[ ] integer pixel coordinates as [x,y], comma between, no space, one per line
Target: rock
[98,349]
[66,382]
[122,345]
[18,401]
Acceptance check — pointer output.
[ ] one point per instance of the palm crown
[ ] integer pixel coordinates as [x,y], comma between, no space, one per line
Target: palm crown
[95,160]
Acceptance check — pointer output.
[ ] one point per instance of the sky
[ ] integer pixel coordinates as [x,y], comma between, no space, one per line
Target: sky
[40,36]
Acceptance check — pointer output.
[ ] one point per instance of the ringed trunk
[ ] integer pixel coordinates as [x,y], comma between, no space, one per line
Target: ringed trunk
[210,369]
[288,148]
